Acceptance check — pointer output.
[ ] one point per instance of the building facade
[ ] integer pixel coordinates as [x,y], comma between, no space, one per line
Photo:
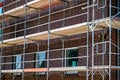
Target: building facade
[60,40]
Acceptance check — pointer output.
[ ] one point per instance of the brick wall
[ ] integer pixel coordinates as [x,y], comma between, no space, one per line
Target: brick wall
[54,76]
[73,41]
[10,4]
[19,28]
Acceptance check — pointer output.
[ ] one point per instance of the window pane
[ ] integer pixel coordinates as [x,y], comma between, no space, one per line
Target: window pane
[41,63]
[18,59]
[71,61]
[0,10]
[1,6]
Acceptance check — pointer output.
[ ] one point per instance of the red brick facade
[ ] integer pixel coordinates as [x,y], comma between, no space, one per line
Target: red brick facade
[58,54]
[69,42]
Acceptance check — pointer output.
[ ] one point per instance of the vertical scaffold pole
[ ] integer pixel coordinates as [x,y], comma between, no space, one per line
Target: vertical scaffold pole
[49,14]
[92,25]
[118,42]
[24,45]
[1,39]
[110,41]
[118,53]
[87,77]
[39,15]
[63,51]
[16,21]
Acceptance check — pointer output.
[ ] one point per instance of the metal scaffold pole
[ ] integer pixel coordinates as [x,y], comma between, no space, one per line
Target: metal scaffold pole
[87,74]
[24,45]
[63,51]
[92,26]
[1,39]
[49,14]
[110,41]
[118,52]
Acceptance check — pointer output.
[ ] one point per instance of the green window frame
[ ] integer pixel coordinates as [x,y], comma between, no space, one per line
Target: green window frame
[71,57]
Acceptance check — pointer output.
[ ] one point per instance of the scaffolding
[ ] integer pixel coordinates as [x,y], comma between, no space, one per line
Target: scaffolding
[99,48]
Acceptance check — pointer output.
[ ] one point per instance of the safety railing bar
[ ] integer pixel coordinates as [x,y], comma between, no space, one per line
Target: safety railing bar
[12,3]
[115,7]
[54,59]
[41,51]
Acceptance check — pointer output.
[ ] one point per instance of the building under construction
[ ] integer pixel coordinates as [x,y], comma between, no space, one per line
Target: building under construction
[60,40]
